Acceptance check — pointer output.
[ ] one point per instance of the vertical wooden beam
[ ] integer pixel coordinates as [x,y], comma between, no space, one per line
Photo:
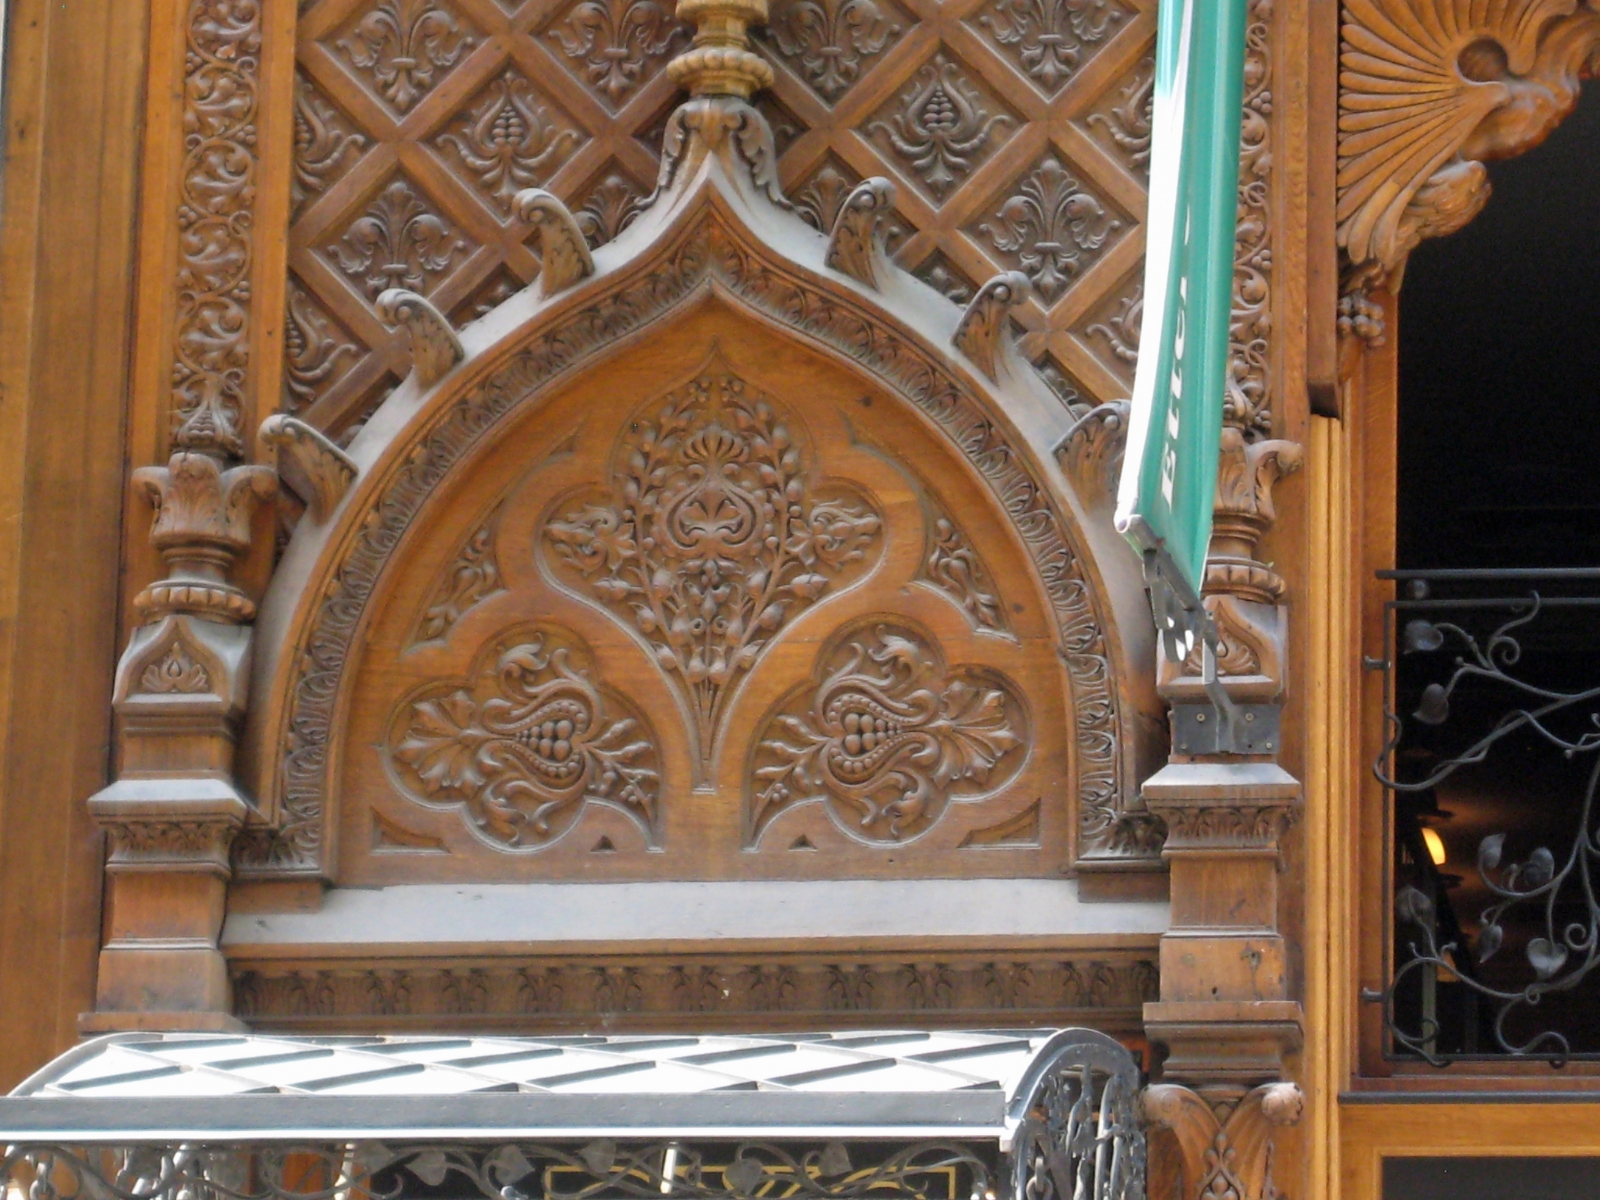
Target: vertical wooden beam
[73,109]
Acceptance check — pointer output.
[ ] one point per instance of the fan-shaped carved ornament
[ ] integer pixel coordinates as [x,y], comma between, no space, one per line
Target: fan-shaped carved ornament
[1430,90]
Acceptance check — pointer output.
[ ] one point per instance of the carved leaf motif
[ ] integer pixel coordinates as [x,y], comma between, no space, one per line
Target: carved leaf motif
[1049,37]
[399,242]
[404,47]
[323,146]
[175,672]
[954,568]
[712,537]
[609,209]
[312,354]
[940,126]
[617,44]
[1249,401]
[473,577]
[1120,330]
[523,746]
[827,41]
[508,140]
[887,741]
[1052,227]
[1127,122]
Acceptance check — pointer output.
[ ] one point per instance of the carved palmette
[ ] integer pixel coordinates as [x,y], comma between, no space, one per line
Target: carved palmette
[523,744]
[713,536]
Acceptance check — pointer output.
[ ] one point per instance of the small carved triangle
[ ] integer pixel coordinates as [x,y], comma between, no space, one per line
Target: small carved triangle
[984,323]
[311,466]
[563,252]
[801,843]
[856,244]
[435,348]
[604,846]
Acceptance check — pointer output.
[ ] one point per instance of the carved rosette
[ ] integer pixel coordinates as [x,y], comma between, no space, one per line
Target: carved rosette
[886,740]
[525,744]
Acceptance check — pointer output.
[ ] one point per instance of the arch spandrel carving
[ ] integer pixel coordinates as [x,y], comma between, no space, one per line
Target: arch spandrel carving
[776,431]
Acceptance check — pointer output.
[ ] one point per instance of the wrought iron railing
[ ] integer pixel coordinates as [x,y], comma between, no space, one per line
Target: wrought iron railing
[1491,760]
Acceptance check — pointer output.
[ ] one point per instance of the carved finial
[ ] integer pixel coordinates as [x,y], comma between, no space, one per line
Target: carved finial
[856,244]
[202,526]
[564,253]
[721,63]
[1246,473]
[314,468]
[978,335]
[435,348]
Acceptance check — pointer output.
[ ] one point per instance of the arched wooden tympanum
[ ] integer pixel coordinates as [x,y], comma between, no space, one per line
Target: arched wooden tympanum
[733,551]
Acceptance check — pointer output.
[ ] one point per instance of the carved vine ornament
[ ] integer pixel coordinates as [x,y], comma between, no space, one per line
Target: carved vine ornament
[1431,90]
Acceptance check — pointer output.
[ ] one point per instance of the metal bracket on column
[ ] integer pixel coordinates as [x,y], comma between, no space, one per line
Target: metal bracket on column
[1204,729]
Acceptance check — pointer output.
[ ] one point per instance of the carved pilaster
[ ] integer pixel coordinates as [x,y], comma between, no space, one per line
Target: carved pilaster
[180,693]
[1203,1147]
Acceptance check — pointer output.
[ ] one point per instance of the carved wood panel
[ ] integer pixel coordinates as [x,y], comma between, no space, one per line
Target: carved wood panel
[720,609]
[1016,131]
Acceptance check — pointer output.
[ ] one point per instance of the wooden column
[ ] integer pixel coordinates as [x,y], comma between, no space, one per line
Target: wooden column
[1225,1018]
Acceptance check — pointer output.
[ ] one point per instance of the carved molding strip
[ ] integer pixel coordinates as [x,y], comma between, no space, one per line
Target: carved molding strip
[709,991]
[1249,403]
[1113,822]
[887,740]
[216,218]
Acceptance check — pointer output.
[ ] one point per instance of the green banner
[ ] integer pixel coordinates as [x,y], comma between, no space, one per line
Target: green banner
[1169,475]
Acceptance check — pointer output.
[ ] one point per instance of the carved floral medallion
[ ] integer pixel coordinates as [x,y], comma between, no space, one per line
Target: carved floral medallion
[403,48]
[713,536]
[508,140]
[1052,227]
[616,45]
[523,745]
[941,126]
[887,740]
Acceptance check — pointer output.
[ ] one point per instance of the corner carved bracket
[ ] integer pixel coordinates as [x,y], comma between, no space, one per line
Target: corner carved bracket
[1429,91]
[982,330]
[856,244]
[1204,1149]
[309,464]
[435,348]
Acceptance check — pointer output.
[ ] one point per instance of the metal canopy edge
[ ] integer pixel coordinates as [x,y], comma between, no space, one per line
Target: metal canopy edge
[510,1115]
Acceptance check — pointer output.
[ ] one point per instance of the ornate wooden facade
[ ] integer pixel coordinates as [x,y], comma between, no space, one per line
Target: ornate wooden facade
[631,538]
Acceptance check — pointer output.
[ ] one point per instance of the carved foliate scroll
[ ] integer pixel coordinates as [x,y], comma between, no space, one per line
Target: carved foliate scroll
[522,746]
[887,739]
[1214,1146]
[1430,90]
[716,532]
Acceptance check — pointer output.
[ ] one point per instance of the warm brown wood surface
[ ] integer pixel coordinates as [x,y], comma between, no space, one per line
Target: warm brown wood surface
[74,80]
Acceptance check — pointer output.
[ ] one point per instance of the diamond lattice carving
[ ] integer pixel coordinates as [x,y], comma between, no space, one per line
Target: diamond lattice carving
[968,106]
